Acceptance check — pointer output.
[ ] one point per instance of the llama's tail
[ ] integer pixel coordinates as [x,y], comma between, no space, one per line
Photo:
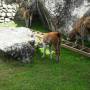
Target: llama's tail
[59,34]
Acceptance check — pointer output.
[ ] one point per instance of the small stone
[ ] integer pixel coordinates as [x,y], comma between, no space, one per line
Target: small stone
[14,10]
[9,14]
[4,10]
[11,18]
[9,6]
[13,14]
[14,6]
[4,6]
[1,21]
[1,8]
[7,19]
[0,14]
[10,10]
[0,4]
[3,2]
[3,14]
[1,18]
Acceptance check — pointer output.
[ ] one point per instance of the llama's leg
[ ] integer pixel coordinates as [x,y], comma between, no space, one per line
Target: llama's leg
[82,40]
[58,56]
[44,50]
[58,53]
[27,22]
[76,42]
[50,49]
[82,36]
[30,20]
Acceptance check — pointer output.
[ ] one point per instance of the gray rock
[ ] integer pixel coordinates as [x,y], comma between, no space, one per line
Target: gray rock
[4,10]
[1,21]
[3,14]
[0,14]
[13,14]
[7,19]
[68,12]
[4,6]
[14,6]
[1,8]
[0,4]
[9,14]
[11,18]
[10,10]
[1,18]
[14,11]
[9,6]
[17,43]
[3,2]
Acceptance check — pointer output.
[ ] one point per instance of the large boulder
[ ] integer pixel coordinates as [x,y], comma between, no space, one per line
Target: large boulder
[17,43]
[62,14]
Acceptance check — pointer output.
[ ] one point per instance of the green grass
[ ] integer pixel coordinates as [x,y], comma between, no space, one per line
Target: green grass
[72,73]
[10,24]
[39,27]
[35,26]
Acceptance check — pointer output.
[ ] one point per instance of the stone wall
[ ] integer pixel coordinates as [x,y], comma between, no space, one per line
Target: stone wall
[7,12]
[9,9]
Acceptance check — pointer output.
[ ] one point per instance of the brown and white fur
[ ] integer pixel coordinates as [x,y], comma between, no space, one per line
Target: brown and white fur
[27,14]
[28,17]
[81,29]
[53,39]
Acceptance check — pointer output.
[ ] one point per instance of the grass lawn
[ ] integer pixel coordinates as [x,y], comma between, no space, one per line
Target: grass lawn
[72,73]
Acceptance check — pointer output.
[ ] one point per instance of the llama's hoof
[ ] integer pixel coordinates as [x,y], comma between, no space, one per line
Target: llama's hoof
[51,58]
[57,61]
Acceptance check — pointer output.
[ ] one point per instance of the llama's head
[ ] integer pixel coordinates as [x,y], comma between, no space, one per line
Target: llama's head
[72,35]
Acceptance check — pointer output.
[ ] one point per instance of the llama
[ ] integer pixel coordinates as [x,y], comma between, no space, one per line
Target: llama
[28,17]
[81,30]
[52,39]
[27,13]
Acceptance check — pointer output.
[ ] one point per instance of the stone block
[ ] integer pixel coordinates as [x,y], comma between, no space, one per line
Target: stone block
[9,6]
[4,6]
[3,14]
[7,19]
[10,10]
[9,14]
[1,21]
[13,14]
[1,18]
